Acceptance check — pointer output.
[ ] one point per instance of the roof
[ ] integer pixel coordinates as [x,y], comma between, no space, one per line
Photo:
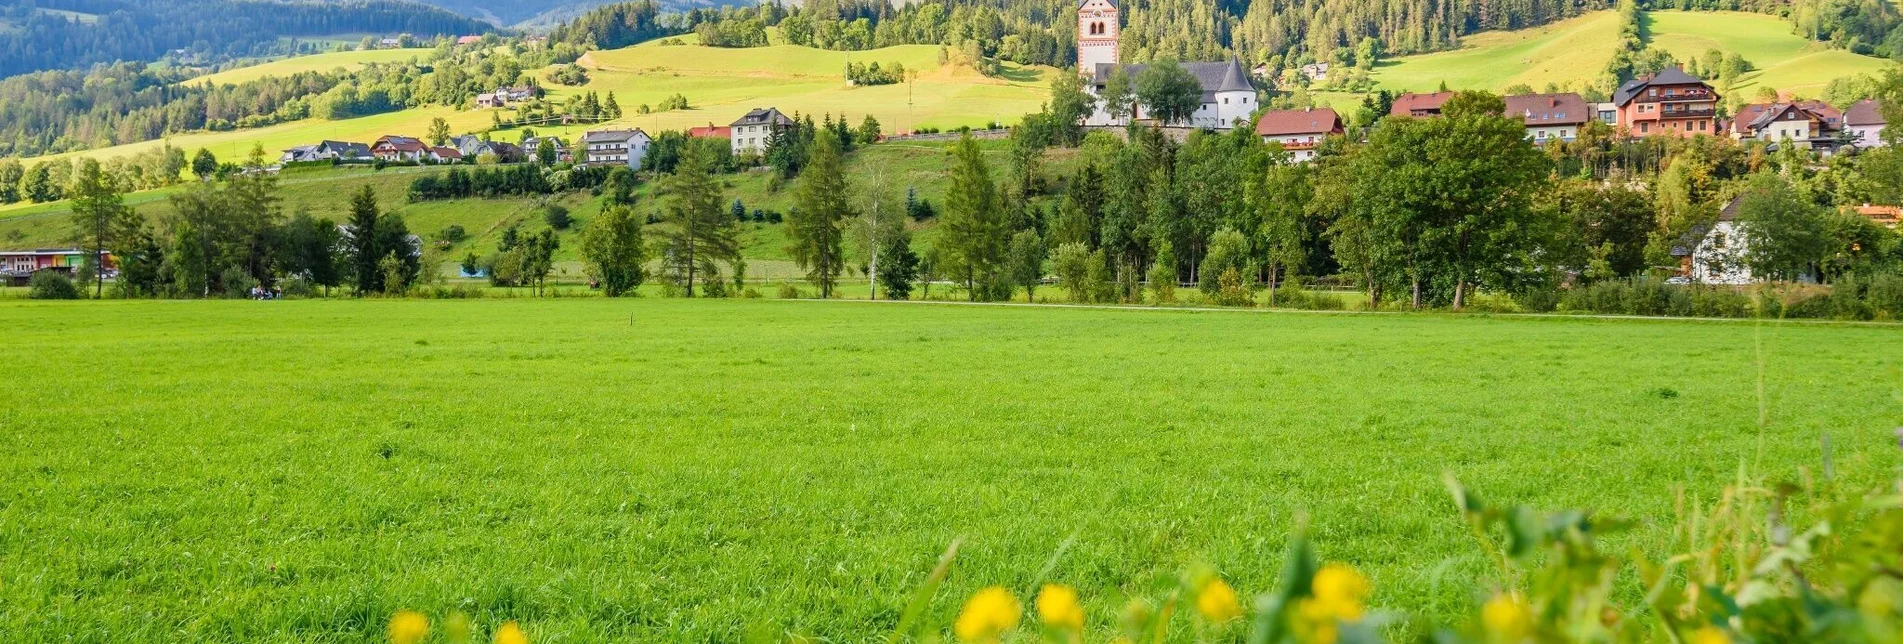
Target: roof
[1408,104]
[447,152]
[1549,109]
[1757,116]
[1081,3]
[1885,215]
[1286,122]
[711,131]
[468,40]
[1669,76]
[763,116]
[1227,76]
[1864,112]
[612,136]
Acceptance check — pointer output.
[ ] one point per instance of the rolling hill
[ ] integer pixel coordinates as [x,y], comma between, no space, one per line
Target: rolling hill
[1574,52]
[352,60]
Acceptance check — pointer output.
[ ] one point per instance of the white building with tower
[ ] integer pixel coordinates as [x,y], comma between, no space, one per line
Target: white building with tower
[1229,93]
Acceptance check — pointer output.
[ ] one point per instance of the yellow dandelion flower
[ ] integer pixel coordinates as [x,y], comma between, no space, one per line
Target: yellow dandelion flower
[511,633]
[408,627]
[1217,601]
[1506,619]
[1057,607]
[1710,635]
[988,614]
[1340,591]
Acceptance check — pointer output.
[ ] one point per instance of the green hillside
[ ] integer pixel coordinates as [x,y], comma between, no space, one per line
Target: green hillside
[324,62]
[720,85]
[1574,53]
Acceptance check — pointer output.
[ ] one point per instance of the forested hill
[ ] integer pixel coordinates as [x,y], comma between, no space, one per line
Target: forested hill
[75,34]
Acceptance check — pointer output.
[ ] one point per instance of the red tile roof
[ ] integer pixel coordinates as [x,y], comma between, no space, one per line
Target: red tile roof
[1309,121]
[1864,112]
[1419,104]
[1548,109]
[711,131]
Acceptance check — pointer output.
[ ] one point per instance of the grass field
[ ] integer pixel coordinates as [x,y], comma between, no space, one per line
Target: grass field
[720,84]
[324,62]
[1573,53]
[669,470]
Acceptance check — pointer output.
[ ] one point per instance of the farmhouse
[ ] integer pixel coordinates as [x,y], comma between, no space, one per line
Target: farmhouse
[616,147]
[532,146]
[468,40]
[752,132]
[1229,93]
[1670,102]
[1714,254]
[327,151]
[1865,123]
[1550,117]
[445,154]
[711,131]
[1810,125]
[17,267]
[1419,105]
[1299,131]
[398,148]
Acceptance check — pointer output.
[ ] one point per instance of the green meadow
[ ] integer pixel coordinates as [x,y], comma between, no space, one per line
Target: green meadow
[696,470]
[323,62]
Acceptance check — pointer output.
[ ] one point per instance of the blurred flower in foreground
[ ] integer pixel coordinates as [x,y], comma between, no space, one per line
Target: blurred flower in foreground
[1057,607]
[1710,635]
[1217,601]
[989,613]
[1506,619]
[408,627]
[510,633]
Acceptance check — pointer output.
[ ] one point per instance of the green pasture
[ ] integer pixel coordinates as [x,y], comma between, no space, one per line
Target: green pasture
[323,62]
[690,470]
[1782,59]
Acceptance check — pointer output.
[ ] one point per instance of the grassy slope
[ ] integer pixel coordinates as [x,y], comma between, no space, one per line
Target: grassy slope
[297,471]
[720,84]
[1783,60]
[314,62]
[1569,53]
[1574,52]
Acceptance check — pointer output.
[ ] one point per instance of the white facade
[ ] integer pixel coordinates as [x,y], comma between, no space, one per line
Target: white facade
[1097,30]
[1719,257]
[751,138]
[1545,133]
[616,148]
[1219,111]
[1300,147]
[1866,136]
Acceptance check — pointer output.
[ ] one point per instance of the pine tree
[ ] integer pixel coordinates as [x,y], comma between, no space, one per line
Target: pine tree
[973,231]
[815,227]
[702,233]
[363,240]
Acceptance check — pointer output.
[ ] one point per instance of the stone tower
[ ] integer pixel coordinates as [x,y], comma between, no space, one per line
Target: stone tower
[1097,31]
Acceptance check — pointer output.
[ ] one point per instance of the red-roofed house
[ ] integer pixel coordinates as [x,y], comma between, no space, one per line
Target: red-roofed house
[1299,131]
[1865,123]
[1550,117]
[711,131]
[1807,124]
[1887,216]
[398,148]
[446,154]
[468,40]
[1671,103]
[1418,105]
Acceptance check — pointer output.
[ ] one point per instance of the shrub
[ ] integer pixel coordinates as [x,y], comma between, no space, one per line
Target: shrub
[1537,300]
[557,217]
[453,233]
[297,287]
[237,282]
[788,291]
[1884,293]
[51,285]
[1290,295]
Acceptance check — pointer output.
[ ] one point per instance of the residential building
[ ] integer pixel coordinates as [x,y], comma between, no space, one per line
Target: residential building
[399,149]
[507,152]
[1886,216]
[1299,131]
[1316,72]
[1229,91]
[468,40]
[1669,103]
[504,97]
[1715,254]
[1811,125]
[17,267]
[1606,113]
[1550,117]
[711,131]
[1865,123]
[445,154]
[532,147]
[391,43]
[616,147]
[299,154]
[1419,105]
[751,133]
[471,146]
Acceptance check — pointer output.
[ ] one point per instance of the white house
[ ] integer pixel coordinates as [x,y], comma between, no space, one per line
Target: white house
[1299,131]
[751,133]
[1865,123]
[616,147]
[1805,124]
[1715,254]
[1229,93]
[1550,117]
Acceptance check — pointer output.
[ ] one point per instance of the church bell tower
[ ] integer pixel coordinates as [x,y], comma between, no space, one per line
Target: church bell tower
[1097,31]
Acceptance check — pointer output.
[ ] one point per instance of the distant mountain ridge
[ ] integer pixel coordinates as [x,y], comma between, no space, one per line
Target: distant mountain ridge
[541,14]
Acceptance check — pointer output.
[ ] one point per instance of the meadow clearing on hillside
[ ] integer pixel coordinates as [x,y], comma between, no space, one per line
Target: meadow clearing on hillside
[1574,52]
[720,85]
[323,62]
[688,470]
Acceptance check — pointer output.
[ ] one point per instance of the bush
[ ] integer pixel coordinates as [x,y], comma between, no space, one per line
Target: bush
[1537,300]
[237,282]
[453,233]
[51,285]
[297,287]
[788,291]
[557,217]
[1290,295]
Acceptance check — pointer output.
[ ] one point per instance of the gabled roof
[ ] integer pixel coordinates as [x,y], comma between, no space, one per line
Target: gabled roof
[613,136]
[447,152]
[1674,76]
[1692,239]
[1407,104]
[1081,3]
[763,116]
[1758,116]
[1287,122]
[1669,76]
[1548,109]
[710,131]
[1227,76]
[1863,112]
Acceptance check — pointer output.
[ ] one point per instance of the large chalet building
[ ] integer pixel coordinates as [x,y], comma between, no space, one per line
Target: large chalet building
[1229,93]
[1671,103]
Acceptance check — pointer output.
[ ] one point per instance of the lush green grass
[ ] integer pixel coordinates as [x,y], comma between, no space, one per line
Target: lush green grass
[1574,53]
[667,470]
[1783,60]
[312,63]
[1571,53]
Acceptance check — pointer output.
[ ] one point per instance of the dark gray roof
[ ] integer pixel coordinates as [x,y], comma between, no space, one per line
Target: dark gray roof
[1670,76]
[612,136]
[1689,242]
[1081,3]
[764,116]
[1674,76]
[1228,76]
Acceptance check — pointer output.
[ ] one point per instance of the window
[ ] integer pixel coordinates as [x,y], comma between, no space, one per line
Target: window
[1652,93]
[1645,127]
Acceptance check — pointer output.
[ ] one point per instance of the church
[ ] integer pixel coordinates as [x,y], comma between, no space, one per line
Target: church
[1228,92]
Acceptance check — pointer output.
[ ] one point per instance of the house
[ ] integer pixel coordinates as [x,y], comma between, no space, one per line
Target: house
[390,43]
[1865,123]
[17,267]
[1550,117]
[1229,91]
[299,154]
[1299,131]
[488,100]
[1419,105]
[398,149]
[1886,216]
[1810,125]
[751,133]
[1316,72]
[1715,253]
[504,97]
[1669,103]
[532,147]
[710,132]
[326,151]
[445,154]
[468,40]
[470,145]
[507,152]
[1606,113]
[615,147]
